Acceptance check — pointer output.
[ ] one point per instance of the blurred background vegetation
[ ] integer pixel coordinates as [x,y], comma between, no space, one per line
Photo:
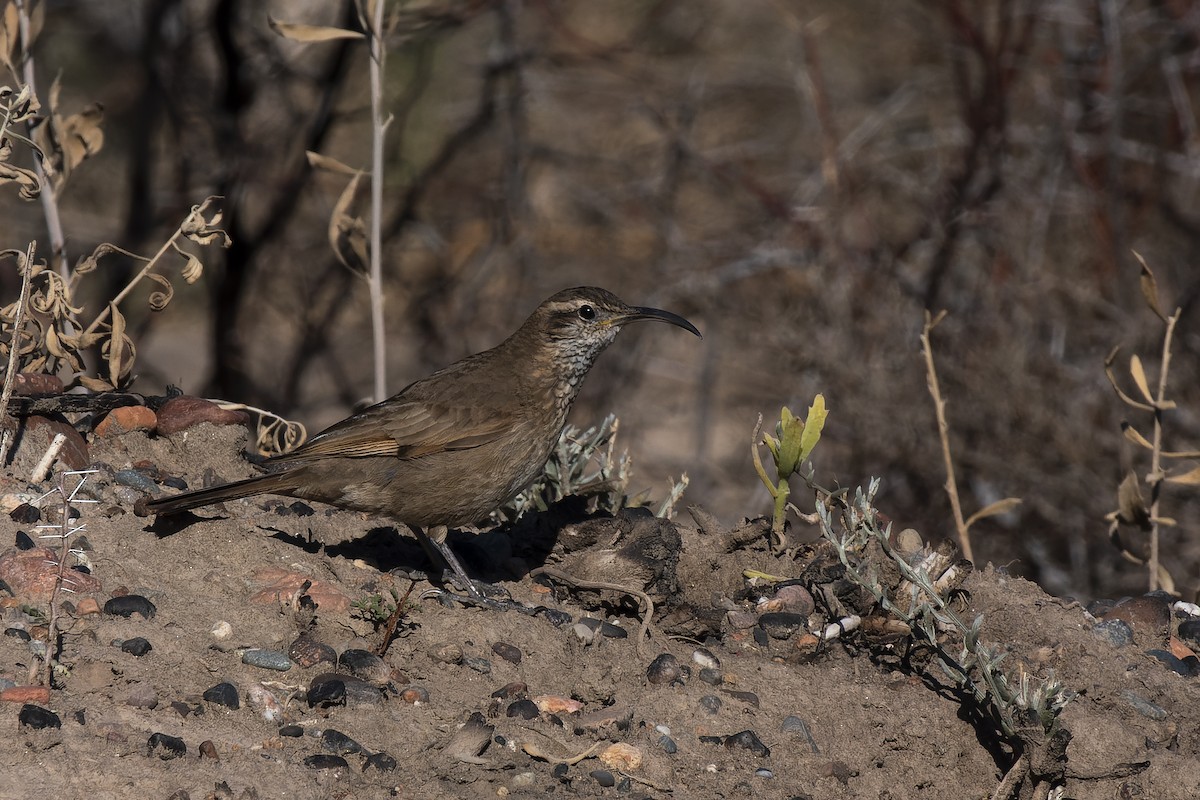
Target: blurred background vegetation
[801,179]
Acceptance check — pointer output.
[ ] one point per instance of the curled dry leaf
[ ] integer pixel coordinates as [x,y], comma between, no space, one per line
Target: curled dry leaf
[329,164]
[347,234]
[26,180]
[66,141]
[1149,287]
[158,300]
[89,263]
[205,230]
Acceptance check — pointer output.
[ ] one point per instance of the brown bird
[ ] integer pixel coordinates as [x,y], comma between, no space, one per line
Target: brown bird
[449,449]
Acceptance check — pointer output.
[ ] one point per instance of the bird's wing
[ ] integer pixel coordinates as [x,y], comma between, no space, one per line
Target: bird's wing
[402,430]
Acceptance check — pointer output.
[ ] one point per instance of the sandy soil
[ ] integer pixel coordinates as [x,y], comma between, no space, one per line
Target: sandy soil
[878,725]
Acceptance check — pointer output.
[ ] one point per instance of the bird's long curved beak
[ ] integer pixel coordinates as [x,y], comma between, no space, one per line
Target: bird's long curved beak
[642,312]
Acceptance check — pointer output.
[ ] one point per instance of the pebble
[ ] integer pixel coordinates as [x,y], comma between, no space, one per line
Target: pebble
[508,652]
[142,696]
[711,703]
[223,694]
[713,677]
[293,731]
[338,742]
[782,624]
[366,665]
[308,652]
[36,717]
[183,412]
[668,745]
[325,691]
[664,669]
[127,605]
[622,757]
[749,698]
[747,740]
[760,638]
[555,617]
[1189,631]
[326,761]
[793,724]
[87,606]
[33,574]
[508,691]
[136,647]
[136,480]
[18,633]
[380,761]
[1144,706]
[184,709]
[265,702]
[415,695]
[25,694]
[25,514]
[222,630]
[523,780]
[209,750]
[704,658]
[1114,631]
[555,704]
[480,665]
[267,659]
[1150,617]
[126,419]
[23,541]
[1173,662]
[585,634]
[603,777]
[447,654]
[763,772]
[524,709]
[166,746]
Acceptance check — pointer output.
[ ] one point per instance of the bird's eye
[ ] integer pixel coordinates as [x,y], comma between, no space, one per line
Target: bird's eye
[587,312]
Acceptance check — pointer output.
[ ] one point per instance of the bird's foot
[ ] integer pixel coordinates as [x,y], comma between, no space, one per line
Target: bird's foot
[479,599]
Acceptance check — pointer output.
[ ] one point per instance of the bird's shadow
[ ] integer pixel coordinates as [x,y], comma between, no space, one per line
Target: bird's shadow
[487,555]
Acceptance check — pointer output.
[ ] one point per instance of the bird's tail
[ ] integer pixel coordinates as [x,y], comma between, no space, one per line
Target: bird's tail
[277,483]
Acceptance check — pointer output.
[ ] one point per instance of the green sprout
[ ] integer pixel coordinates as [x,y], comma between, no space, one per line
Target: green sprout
[794,440]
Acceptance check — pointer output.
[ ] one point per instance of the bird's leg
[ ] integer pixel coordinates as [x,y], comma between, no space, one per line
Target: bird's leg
[436,548]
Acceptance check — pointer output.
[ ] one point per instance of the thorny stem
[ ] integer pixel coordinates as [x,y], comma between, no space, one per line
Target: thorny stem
[939,405]
[1156,476]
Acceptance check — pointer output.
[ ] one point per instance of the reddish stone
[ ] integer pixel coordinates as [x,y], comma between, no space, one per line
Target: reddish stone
[88,605]
[180,413]
[127,419]
[39,695]
[39,431]
[32,575]
[27,383]
[283,584]
[1149,616]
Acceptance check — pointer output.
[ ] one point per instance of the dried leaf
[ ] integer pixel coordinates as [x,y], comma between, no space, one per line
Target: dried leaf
[299,32]
[994,509]
[95,384]
[192,270]
[89,264]
[1132,435]
[1189,478]
[1149,287]
[115,344]
[1139,377]
[158,300]
[1131,508]
[348,235]
[205,231]
[329,164]
[27,179]
[10,37]
[81,136]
